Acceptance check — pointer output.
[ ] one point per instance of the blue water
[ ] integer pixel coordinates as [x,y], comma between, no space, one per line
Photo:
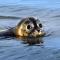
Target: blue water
[39,3]
[48,11]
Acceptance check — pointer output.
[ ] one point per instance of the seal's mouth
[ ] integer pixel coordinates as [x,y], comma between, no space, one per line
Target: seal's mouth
[36,33]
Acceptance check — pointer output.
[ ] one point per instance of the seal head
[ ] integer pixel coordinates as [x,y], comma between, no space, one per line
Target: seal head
[29,27]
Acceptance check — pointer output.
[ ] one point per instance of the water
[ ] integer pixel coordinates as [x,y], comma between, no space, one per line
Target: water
[48,12]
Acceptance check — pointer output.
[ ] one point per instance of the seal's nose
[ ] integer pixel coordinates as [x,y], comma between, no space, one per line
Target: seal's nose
[38,30]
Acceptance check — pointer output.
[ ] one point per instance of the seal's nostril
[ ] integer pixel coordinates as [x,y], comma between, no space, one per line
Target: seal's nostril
[38,30]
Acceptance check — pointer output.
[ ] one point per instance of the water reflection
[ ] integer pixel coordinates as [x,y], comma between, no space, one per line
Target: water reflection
[31,40]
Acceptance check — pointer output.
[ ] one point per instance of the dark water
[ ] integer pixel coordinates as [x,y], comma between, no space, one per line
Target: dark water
[48,12]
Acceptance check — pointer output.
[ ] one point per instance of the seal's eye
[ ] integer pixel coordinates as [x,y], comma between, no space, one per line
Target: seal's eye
[28,27]
[40,25]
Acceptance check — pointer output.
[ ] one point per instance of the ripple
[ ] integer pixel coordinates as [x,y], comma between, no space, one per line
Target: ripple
[9,17]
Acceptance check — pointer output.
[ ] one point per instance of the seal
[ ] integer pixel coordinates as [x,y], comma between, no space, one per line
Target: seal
[27,27]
